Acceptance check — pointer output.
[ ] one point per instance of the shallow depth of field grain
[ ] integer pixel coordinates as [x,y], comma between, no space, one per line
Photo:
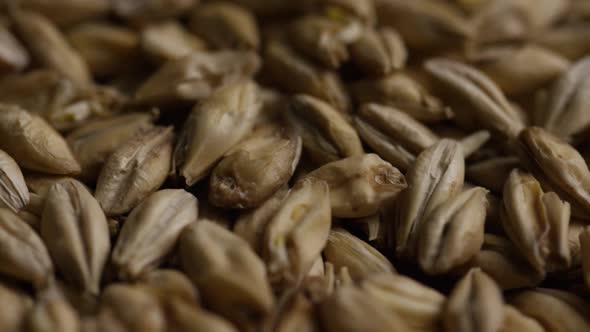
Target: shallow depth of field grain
[294,166]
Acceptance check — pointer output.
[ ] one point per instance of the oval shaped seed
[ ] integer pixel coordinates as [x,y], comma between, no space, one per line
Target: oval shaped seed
[231,277]
[360,185]
[214,127]
[256,168]
[23,255]
[488,105]
[151,231]
[33,143]
[558,164]
[475,304]
[135,170]
[76,232]
[346,250]
[436,176]
[13,189]
[325,133]
[379,52]
[225,25]
[50,47]
[453,232]
[298,232]
[399,126]
[536,222]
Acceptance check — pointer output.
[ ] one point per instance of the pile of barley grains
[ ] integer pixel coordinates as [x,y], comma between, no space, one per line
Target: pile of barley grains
[294,166]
